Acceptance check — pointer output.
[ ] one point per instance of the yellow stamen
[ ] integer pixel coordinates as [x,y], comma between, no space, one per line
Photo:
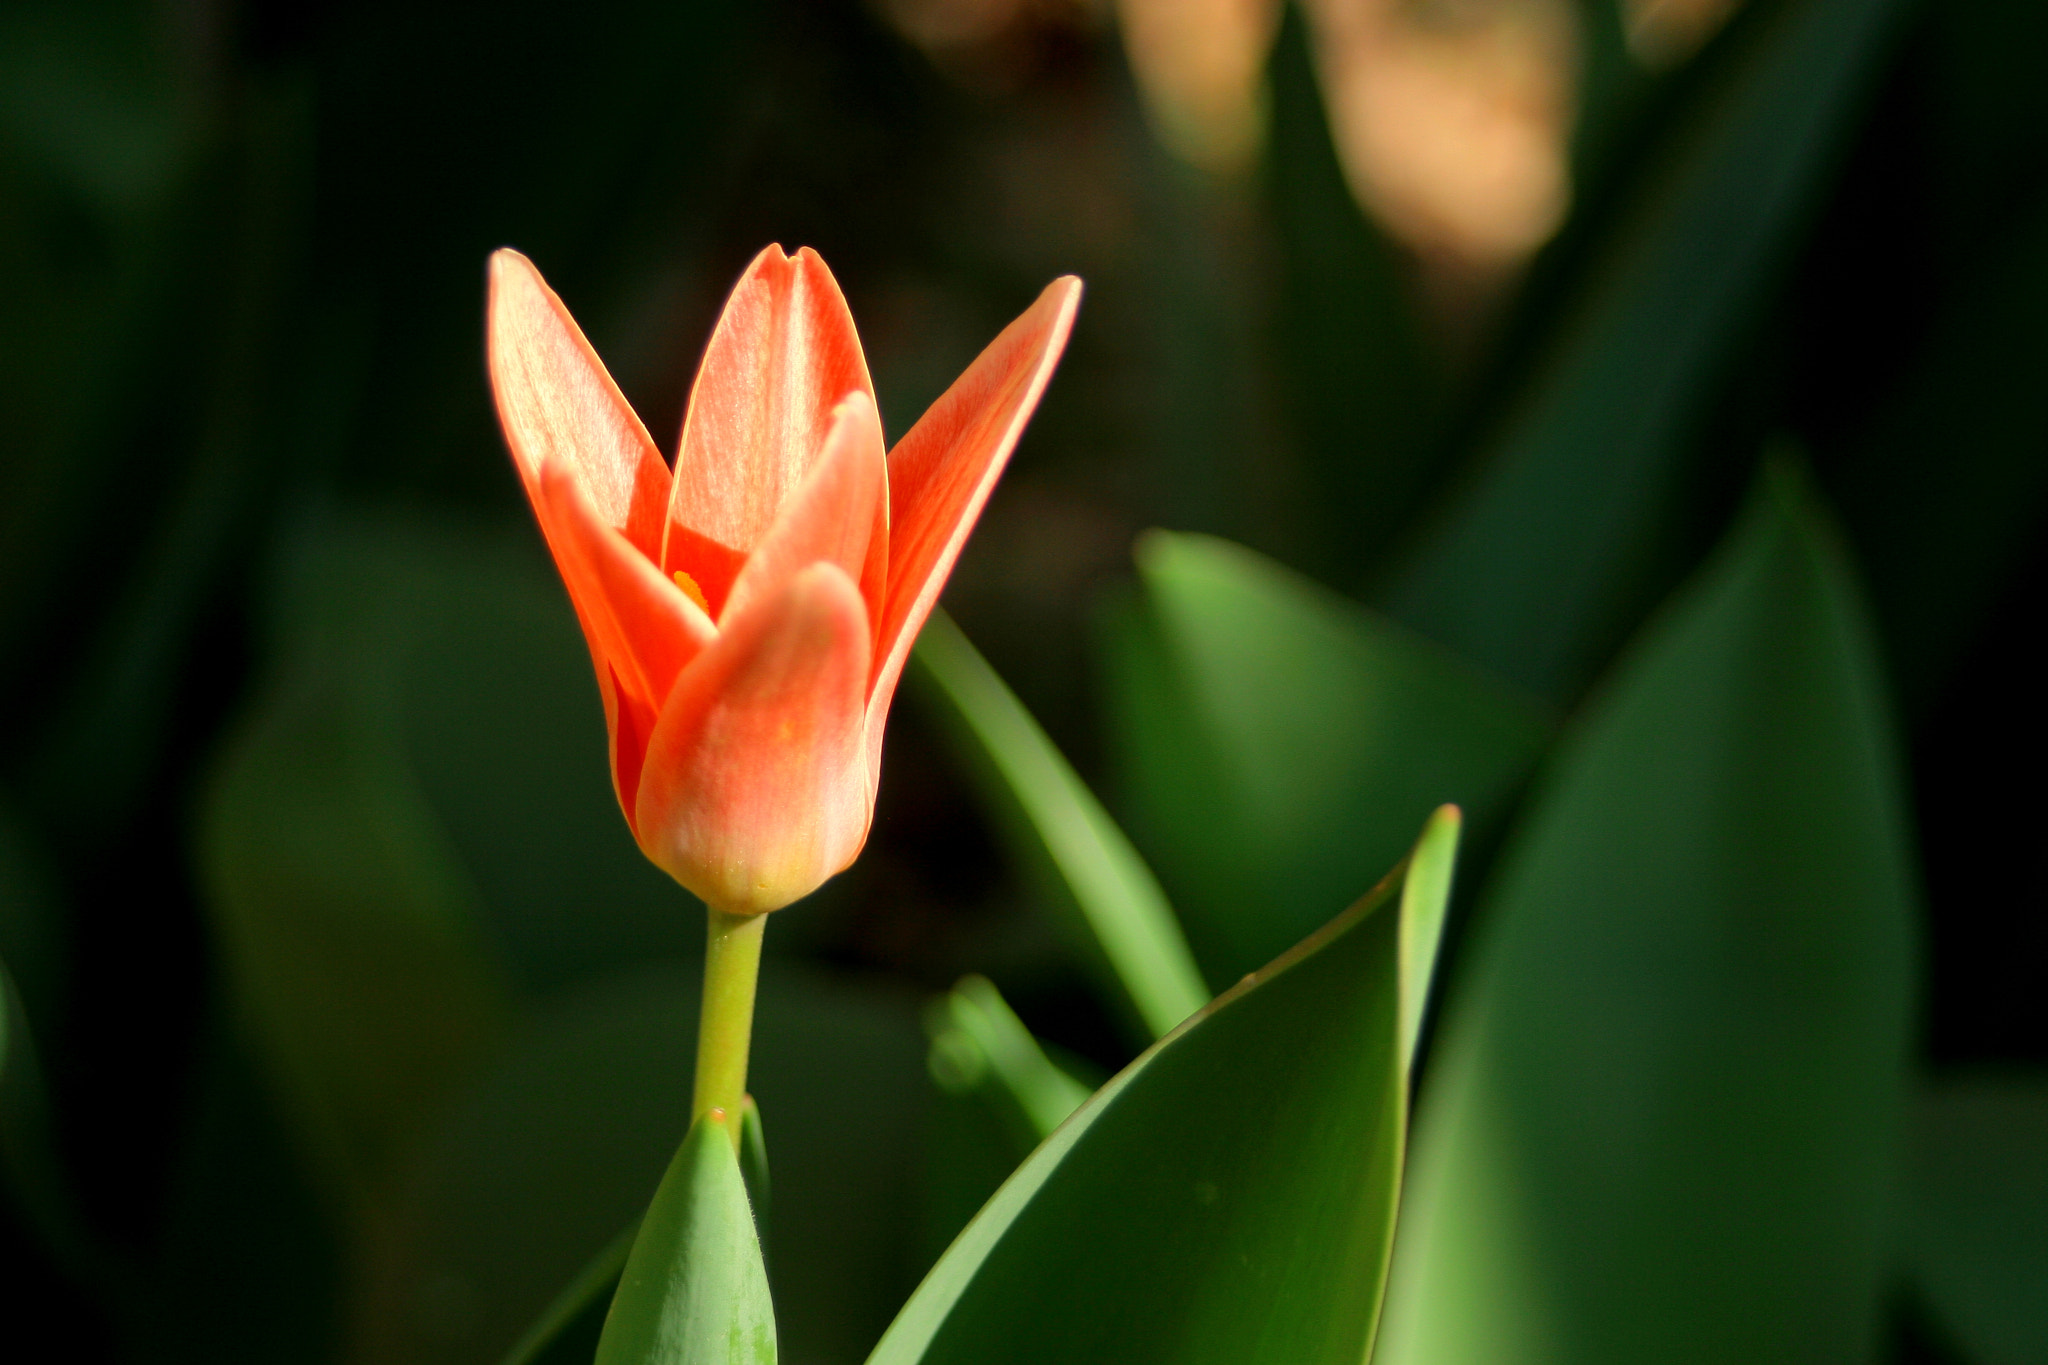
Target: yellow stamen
[689,585]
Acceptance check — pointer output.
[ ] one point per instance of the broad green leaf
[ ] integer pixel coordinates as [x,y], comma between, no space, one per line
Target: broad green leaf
[1539,562]
[533,1171]
[350,930]
[1054,824]
[1663,1114]
[505,732]
[694,1290]
[1280,745]
[981,1047]
[1361,395]
[1228,1197]
[972,1145]
[417,803]
[1977,1240]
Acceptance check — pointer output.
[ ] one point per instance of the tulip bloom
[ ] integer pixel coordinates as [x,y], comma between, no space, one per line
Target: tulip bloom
[750,613]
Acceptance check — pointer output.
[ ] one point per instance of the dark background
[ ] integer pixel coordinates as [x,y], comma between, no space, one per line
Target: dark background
[253,502]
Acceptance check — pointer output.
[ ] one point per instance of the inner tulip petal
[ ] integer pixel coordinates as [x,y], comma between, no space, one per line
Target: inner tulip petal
[782,356]
[754,788]
[558,404]
[943,469]
[832,516]
[645,627]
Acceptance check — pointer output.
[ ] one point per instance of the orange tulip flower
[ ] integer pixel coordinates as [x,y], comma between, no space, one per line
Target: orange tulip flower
[749,615]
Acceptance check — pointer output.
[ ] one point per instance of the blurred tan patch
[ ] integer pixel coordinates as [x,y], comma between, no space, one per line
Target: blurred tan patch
[1452,120]
[938,25]
[1666,32]
[1201,69]
[992,46]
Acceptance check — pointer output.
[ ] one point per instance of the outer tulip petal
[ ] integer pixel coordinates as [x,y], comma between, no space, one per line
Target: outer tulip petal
[783,354]
[941,473]
[628,721]
[755,787]
[638,622]
[557,403]
[832,516]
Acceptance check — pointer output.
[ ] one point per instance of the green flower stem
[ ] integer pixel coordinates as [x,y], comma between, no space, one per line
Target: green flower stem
[732,964]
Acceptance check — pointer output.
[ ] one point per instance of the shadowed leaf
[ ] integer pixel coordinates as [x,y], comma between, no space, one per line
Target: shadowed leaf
[1662,1116]
[1977,1241]
[1540,558]
[1228,1197]
[1280,745]
[1054,824]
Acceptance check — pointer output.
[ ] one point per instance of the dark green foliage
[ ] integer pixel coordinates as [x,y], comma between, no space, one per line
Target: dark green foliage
[694,1290]
[1280,744]
[1974,1241]
[1230,1195]
[1557,537]
[1664,1119]
[344,1022]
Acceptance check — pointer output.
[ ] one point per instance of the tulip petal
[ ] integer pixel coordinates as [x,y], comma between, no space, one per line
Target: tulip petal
[557,403]
[628,721]
[942,470]
[642,625]
[755,787]
[782,356]
[832,515]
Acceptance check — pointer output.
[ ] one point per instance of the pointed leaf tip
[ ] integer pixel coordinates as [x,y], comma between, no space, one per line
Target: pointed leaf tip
[694,1291]
[1252,1158]
[1677,1051]
[1425,897]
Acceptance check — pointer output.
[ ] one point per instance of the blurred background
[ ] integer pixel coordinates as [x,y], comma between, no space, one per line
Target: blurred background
[347,1022]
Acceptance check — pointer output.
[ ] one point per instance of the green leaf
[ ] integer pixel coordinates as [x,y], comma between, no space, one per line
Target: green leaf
[1057,828]
[1360,392]
[754,1160]
[532,1171]
[1425,896]
[1663,1115]
[981,1047]
[1228,1197]
[694,1290]
[1279,745]
[350,929]
[1540,562]
[415,820]
[1977,1243]
[505,733]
